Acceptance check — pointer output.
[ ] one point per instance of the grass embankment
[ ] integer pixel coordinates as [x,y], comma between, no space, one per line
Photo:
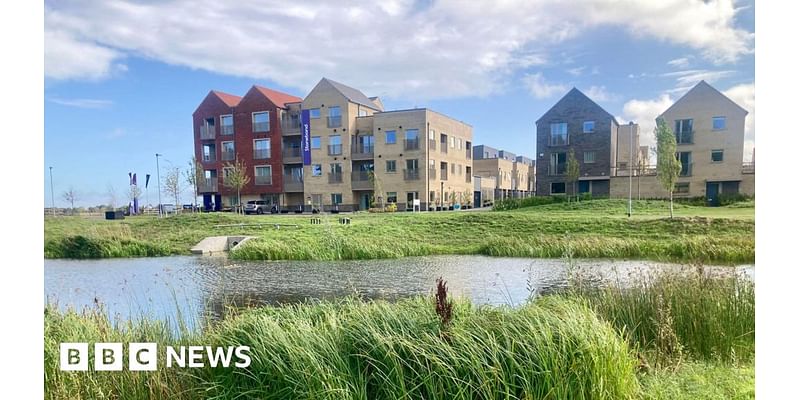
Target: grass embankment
[656,342]
[589,229]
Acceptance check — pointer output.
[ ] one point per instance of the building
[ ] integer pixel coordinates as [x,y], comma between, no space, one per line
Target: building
[511,173]
[528,181]
[230,129]
[601,147]
[484,191]
[709,131]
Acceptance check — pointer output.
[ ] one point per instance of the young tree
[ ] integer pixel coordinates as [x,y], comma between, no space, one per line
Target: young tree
[172,184]
[236,178]
[377,187]
[194,175]
[71,195]
[573,171]
[667,166]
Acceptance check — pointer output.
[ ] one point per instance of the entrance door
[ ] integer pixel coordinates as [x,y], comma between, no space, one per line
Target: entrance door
[477,200]
[712,194]
[364,201]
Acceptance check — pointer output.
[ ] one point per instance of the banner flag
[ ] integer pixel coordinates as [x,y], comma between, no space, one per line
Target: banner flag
[146,180]
[134,180]
[130,179]
[305,118]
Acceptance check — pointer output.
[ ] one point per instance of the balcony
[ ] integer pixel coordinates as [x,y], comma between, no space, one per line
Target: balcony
[360,180]
[261,127]
[263,180]
[334,149]
[291,126]
[411,144]
[210,158]
[292,155]
[432,144]
[292,184]
[228,155]
[226,130]
[556,170]
[411,174]
[207,185]
[334,177]
[261,154]
[335,122]
[443,147]
[432,174]
[443,173]
[686,137]
[686,169]
[207,132]
[361,151]
[559,140]
[749,168]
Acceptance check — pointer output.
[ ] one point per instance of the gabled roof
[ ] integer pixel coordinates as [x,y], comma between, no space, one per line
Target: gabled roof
[352,94]
[703,86]
[280,99]
[574,92]
[229,99]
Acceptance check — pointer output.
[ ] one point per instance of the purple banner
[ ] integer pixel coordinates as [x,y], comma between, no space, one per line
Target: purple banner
[305,119]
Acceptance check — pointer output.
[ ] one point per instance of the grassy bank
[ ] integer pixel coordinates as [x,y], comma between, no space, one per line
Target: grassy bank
[655,342]
[596,228]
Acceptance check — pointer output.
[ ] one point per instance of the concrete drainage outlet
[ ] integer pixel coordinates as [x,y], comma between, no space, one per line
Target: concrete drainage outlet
[219,244]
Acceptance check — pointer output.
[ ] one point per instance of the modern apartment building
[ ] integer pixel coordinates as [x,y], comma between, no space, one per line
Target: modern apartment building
[526,174]
[247,129]
[511,173]
[601,147]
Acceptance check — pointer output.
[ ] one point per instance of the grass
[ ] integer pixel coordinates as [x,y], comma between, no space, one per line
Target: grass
[709,381]
[598,228]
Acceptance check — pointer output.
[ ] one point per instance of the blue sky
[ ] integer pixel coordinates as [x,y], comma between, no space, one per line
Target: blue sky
[123,78]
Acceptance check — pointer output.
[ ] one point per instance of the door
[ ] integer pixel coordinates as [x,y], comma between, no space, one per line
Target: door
[712,194]
[217,202]
[477,201]
[364,201]
[207,202]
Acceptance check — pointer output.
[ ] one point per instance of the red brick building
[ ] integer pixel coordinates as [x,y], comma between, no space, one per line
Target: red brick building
[228,128]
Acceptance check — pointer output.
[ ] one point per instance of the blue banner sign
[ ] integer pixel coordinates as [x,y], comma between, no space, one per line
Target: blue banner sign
[305,118]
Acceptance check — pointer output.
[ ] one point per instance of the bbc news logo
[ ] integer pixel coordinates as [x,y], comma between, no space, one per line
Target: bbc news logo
[144,356]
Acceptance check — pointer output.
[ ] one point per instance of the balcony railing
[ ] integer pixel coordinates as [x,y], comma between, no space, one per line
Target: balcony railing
[228,155]
[335,122]
[260,127]
[292,183]
[559,140]
[261,154]
[360,180]
[749,168]
[334,177]
[207,132]
[292,155]
[556,170]
[291,126]
[443,173]
[643,170]
[443,147]
[686,169]
[226,130]
[362,151]
[263,179]
[207,185]
[334,149]
[411,174]
[432,144]
[469,177]
[432,174]
[684,137]
[411,144]
[210,157]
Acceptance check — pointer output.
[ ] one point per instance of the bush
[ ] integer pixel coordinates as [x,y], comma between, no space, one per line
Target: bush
[726,199]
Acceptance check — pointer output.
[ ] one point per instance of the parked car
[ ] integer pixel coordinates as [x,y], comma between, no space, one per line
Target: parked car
[256,206]
[168,208]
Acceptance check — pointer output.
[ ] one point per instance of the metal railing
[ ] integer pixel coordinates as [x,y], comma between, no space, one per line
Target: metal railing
[432,144]
[443,147]
[261,154]
[292,154]
[207,185]
[261,127]
[228,155]
[411,144]
[207,132]
[642,170]
[226,130]
[443,173]
[335,122]
[334,149]
[559,169]
[291,125]
[469,177]
[686,169]
[559,140]
[263,180]
[360,180]
[292,183]
[686,137]
[361,150]
[411,174]
[334,177]
[210,157]
[431,173]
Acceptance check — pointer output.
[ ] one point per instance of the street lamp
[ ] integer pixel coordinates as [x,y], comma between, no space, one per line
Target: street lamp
[630,173]
[158,177]
[52,193]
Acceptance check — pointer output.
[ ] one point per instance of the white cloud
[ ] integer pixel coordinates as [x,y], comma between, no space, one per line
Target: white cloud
[745,96]
[600,94]
[398,47]
[82,103]
[689,78]
[576,71]
[644,113]
[681,63]
[540,88]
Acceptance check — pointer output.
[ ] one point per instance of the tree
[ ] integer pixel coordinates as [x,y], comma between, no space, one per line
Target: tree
[573,171]
[668,166]
[194,175]
[172,184]
[235,177]
[71,195]
[377,187]
[112,196]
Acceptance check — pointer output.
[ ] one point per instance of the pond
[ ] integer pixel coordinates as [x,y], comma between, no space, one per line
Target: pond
[187,287]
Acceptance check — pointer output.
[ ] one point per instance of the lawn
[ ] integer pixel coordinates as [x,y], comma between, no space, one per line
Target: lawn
[589,229]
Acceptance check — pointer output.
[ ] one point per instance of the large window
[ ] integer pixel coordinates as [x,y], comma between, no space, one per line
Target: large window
[558,134]
[261,149]
[683,131]
[558,163]
[718,123]
[391,137]
[226,121]
[261,122]
[334,117]
[412,139]
[263,175]
[335,145]
[228,151]
[685,157]
[558,188]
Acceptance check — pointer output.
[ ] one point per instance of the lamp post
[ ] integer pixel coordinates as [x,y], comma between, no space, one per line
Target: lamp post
[52,194]
[630,172]
[158,177]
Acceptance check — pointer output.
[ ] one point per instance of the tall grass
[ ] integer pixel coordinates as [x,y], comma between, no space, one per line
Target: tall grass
[553,348]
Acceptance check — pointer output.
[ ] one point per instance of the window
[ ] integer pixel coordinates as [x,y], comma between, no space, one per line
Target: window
[336,198]
[391,197]
[261,149]
[313,113]
[228,151]
[261,122]
[585,187]
[264,175]
[458,142]
[459,169]
[558,134]
[682,188]
[316,170]
[453,168]
[391,137]
[718,123]
[410,197]
[431,135]
[233,201]
[227,124]
[683,131]
[452,142]
[588,157]
[558,163]
[685,157]
[391,166]
[316,142]
[334,117]
[362,113]
[558,188]
[588,126]
[334,145]
[716,156]
[336,168]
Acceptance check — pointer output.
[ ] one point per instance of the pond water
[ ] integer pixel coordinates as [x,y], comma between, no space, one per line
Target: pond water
[189,286]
